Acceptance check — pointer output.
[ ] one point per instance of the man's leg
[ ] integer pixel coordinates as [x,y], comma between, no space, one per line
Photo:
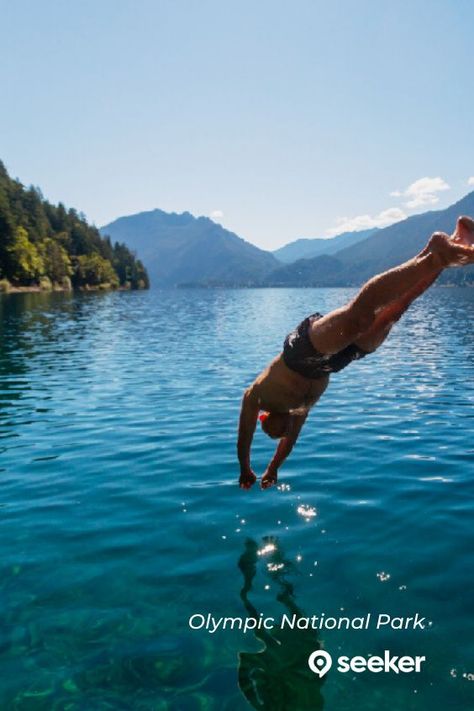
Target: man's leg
[388,294]
[378,332]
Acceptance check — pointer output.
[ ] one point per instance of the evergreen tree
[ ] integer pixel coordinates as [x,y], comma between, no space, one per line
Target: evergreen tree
[93,270]
[56,261]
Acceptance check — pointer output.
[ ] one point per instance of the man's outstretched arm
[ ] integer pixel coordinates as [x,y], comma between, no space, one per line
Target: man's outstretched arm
[247,423]
[285,445]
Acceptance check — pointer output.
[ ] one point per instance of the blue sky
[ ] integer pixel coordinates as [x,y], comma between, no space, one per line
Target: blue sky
[280,119]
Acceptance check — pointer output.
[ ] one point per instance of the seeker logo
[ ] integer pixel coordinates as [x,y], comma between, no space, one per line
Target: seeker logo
[320,662]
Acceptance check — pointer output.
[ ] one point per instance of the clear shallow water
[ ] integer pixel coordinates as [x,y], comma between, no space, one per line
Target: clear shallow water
[120,515]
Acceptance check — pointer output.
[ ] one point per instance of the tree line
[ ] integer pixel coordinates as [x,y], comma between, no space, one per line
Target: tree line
[53,247]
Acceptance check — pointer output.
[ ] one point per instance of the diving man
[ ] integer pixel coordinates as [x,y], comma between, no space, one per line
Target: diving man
[321,345]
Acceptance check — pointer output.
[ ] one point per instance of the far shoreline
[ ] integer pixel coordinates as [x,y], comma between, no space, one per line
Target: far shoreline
[182,287]
[64,290]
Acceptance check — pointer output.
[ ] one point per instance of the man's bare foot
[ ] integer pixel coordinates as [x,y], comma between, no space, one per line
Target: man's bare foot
[464,233]
[454,251]
[269,478]
[247,479]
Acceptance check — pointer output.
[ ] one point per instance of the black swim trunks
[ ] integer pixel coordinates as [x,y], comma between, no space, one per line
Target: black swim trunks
[301,356]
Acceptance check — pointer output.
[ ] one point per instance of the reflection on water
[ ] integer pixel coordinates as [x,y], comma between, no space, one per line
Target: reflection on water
[277,678]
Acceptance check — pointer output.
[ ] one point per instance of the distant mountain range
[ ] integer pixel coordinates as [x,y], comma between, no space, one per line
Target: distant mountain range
[179,249]
[307,248]
[380,251]
[183,250]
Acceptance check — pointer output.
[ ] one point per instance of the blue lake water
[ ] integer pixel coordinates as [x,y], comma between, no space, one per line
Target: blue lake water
[120,515]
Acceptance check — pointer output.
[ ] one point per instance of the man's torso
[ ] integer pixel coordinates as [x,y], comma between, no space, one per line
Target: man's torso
[279,389]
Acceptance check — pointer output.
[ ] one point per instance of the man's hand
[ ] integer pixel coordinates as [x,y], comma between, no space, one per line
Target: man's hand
[270,477]
[247,478]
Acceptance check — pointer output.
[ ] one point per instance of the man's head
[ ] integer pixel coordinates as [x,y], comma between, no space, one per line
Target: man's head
[275,424]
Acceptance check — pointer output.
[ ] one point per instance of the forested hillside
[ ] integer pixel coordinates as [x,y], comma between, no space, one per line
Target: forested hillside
[50,247]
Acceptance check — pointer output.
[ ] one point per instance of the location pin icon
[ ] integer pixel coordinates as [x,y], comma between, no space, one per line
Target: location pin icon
[320,662]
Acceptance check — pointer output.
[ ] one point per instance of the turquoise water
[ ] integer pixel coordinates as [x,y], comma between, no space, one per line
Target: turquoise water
[120,515]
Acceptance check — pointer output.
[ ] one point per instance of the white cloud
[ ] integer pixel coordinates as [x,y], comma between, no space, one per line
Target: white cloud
[422,192]
[365,222]
[216,215]
[470,181]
